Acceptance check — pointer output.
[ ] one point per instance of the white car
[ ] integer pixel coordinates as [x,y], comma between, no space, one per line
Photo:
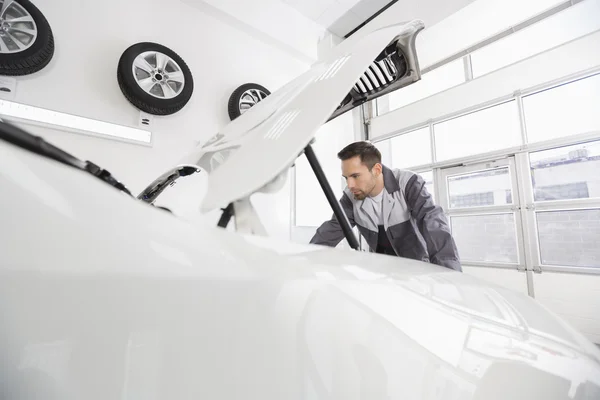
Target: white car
[104,296]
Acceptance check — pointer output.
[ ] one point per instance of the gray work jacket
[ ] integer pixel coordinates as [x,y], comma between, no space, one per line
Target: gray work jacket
[415,226]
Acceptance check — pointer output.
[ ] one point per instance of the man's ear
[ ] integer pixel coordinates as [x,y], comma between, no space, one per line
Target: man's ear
[378,168]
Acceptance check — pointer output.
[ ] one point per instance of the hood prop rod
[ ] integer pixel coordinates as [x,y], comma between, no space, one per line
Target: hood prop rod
[226,216]
[339,213]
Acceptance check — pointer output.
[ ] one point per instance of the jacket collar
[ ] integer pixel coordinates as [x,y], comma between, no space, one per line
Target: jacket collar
[390,183]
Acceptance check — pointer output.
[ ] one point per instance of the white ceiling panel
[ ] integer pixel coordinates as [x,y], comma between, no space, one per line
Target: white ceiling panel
[348,4]
[338,16]
[312,9]
[333,13]
[347,23]
[365,9]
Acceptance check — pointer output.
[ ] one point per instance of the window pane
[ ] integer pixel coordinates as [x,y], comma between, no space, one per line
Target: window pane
[566,173]
[385,148]
[433,82]
[490,238]
[558,29]
[411,149]
[570,238]
[483,188]
[563,111]
[486,130]
[312,208]
[428,178]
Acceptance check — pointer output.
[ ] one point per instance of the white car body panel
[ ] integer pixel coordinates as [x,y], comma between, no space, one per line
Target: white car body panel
[111,298]
[103,296]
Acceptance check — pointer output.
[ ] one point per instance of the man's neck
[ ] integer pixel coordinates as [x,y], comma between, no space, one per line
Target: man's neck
[378,187]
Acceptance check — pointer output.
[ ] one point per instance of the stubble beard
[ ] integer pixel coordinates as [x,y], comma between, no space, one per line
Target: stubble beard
[362,195]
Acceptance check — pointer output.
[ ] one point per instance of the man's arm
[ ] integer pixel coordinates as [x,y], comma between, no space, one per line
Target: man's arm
[330,233]
[433,224]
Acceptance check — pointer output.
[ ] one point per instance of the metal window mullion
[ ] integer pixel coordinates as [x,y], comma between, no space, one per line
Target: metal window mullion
[443,197]
[528,226]
[517,209]
[522,122]
[468,64]
[363,123]
[572,270]
[478,165]
[489,264]
[475,211]
[432,143]
[566,205]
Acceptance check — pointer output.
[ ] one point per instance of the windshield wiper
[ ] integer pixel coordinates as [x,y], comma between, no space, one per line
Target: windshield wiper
[37,145]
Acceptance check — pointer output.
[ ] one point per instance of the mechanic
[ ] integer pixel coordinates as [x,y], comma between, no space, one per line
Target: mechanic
[393,210]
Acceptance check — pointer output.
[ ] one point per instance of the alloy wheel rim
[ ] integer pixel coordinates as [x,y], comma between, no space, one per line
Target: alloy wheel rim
[18,30]
[158,75]
[250,98]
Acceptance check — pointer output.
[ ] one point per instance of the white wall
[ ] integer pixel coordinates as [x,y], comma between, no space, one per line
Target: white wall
[575,298]
[81,79]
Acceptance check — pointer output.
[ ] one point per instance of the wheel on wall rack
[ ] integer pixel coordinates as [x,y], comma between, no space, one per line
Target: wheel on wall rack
[154,78]
[244,97]
[26,39]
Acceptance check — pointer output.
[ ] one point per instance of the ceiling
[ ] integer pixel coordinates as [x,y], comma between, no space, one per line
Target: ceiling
[299,27]
[340,17]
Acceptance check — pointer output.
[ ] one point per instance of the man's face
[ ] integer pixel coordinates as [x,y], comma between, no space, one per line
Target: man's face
[360,180]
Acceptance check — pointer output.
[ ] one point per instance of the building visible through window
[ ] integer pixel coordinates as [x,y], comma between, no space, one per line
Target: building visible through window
[566,173]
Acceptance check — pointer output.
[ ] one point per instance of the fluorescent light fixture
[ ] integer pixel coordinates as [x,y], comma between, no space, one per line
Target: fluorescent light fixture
[41,116]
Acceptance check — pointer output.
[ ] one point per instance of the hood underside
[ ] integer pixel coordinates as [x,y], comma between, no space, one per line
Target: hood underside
[254,149]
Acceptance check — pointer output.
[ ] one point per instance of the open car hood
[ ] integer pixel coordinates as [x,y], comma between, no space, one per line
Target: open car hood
[257,148]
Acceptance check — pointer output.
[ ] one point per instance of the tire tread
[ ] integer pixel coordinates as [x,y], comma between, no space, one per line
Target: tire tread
[35,62]
[232,104]
[127,88]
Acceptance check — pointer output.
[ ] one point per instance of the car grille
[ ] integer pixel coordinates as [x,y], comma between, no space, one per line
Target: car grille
[377,76]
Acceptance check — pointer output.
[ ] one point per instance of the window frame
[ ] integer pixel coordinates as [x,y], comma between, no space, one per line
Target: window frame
[532,208]
[528,208]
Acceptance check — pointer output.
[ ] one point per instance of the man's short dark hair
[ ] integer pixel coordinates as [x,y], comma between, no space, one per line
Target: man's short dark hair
[368,153]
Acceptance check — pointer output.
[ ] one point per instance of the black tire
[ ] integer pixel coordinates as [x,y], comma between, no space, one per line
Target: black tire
[234,100]
[38,55]
[138,96]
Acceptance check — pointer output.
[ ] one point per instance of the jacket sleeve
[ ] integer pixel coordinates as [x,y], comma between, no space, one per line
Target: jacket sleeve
[330,232]
[432,224]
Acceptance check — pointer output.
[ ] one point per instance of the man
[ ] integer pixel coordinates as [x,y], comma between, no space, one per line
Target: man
[393,210]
